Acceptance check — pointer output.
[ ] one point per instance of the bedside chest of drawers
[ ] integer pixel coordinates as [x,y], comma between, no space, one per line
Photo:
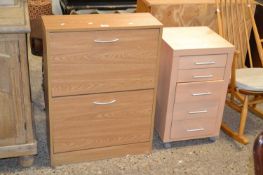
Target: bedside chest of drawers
[100,84]
[195,66]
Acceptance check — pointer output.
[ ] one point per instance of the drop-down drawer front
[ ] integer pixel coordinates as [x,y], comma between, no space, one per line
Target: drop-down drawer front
[102,61]
[101,120]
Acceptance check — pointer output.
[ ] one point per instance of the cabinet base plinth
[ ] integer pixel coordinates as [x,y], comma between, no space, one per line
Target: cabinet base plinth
[100,153]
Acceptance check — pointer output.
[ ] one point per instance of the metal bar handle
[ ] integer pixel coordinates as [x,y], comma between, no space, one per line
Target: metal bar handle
[198,112]
[203,76]
[195,130]
[104,103]
[106,41]
[205,63]
[202,94]
[4,55]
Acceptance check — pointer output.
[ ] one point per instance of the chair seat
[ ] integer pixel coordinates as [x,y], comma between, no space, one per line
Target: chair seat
[250,79]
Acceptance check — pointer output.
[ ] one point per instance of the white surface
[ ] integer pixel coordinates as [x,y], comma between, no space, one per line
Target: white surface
[250,79]
[188,38]
[7,2]
[56,10]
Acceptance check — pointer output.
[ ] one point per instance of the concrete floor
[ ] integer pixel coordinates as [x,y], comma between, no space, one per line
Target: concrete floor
[195,157]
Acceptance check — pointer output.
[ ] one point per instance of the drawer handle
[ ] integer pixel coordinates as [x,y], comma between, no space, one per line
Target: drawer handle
[106,41]
[205,63]
[195,130]
[4,55]
[198,112]
[203,76]
[202,94]
[104,103]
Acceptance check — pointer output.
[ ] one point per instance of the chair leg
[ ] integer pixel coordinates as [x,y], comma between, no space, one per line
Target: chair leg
[240,137]
[243,117]
[256,112]
[255,98]
[234,135]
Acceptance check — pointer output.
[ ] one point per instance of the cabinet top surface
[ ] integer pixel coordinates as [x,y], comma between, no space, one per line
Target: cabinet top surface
[194,38]
[14,16]
[99,22]
[172,2]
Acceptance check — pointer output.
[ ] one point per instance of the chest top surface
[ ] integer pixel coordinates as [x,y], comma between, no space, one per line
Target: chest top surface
[14,16]
[194,38]
[99,22]
[173,2]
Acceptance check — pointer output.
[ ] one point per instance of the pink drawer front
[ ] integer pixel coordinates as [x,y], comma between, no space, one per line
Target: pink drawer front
[209,74]
[202,61]
[195,128]
[199,91]
[194,110]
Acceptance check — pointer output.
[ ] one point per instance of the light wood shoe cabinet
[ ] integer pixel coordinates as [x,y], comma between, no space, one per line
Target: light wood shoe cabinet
[100,84]
[195,66]
[16,133]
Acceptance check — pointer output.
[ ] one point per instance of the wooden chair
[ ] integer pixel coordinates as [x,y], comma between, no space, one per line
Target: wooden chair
[235,21]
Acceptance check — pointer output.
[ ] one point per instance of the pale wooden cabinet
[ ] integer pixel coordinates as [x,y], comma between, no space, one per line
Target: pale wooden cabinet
[195,68]
[16,133]
[181,13]
[100,84]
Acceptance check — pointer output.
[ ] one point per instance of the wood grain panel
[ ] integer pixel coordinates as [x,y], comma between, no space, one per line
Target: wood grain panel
[66,23]
[126,64]
[12,129]
[183,13]
[14,18]
[165,99]
[199,91]
[81,124]
[202,61]
[195,128]
[142,7]
[193,75]
[172,2]
[26,92]
[6,105]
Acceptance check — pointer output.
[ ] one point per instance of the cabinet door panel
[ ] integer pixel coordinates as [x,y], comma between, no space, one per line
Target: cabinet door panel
[11,116]
[101,120]
[102,61]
